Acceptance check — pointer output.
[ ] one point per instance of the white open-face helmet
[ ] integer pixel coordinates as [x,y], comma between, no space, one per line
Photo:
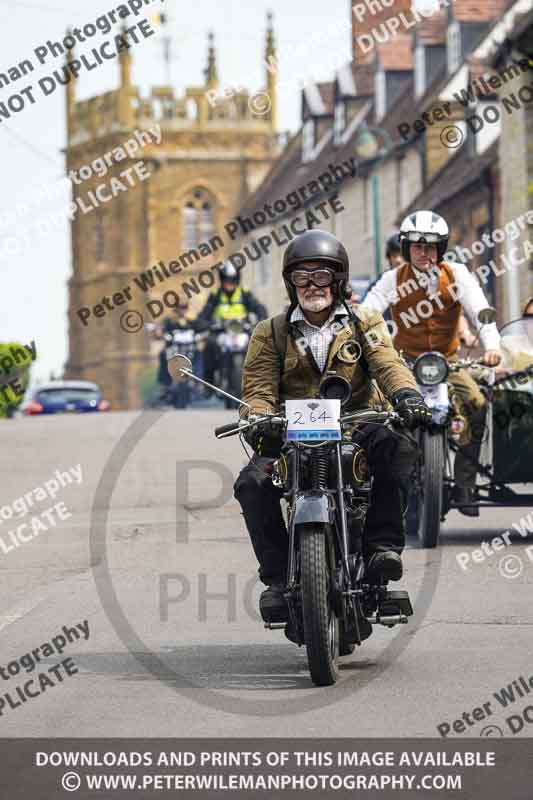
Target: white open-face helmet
[426,227]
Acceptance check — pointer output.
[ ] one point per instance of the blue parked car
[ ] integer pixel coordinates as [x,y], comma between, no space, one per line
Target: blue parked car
[59,397]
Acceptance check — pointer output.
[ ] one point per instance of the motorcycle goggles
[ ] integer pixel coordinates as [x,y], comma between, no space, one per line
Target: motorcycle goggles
[424,238]
[318,277]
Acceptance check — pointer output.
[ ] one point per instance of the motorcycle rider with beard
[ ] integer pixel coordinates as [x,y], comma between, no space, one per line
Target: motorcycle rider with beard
[287,358]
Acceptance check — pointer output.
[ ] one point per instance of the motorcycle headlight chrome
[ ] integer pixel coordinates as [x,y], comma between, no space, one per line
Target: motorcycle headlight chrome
[430,369]
[234,326]
[335,387]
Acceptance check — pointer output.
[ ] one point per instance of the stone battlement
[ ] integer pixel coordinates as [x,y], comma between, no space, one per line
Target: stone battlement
[101,115]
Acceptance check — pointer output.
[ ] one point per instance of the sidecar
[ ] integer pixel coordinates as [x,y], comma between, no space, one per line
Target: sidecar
[511,413]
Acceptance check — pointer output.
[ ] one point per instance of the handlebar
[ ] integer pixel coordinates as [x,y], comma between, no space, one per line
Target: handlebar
[367,415]
[465,363]
[232,427]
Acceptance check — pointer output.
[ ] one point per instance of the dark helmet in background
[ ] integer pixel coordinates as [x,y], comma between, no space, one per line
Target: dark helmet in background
[321,246]
[425,227]
[228,272]
[393,244]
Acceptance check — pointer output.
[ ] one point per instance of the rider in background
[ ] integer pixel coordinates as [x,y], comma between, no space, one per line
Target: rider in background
[228,302]
[169,324]
[449,288]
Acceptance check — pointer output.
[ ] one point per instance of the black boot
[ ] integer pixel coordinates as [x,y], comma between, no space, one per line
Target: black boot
[272,603]
[464,497]
[384,566]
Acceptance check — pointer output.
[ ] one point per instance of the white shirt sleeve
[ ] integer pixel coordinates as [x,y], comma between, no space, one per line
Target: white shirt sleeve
[472,298]
[383,293]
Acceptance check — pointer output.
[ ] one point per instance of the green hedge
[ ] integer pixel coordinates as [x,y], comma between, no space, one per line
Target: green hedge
[10,400]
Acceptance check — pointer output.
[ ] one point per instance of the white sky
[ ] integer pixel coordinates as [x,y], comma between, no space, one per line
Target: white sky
[33,301]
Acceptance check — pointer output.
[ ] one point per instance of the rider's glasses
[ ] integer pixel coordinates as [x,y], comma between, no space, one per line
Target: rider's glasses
[318,277]
[425,238]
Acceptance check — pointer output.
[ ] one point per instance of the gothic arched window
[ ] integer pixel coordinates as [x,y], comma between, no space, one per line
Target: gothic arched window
[198,219]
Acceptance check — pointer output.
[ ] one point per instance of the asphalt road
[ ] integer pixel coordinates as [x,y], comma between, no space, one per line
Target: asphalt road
[165,657]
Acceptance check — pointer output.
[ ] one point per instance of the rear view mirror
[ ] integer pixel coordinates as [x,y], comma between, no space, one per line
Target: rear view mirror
[176,364]
[487,315]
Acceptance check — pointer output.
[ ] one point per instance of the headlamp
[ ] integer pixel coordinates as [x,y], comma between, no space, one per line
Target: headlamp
[430,369]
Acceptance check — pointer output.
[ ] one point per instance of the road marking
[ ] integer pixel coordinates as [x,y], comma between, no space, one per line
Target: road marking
[17,613]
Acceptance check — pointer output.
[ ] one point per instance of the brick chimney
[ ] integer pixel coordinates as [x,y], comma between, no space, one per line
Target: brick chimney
[369,18]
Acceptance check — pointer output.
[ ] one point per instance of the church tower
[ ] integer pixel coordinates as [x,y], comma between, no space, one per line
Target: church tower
[212,149]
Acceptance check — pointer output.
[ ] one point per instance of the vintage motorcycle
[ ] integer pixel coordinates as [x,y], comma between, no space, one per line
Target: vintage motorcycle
[432,488]
[326,491]
[232,338]
[432,494]
[181,340]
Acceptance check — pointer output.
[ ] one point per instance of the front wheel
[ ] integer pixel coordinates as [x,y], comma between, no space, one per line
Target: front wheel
[321,626]
[430,503]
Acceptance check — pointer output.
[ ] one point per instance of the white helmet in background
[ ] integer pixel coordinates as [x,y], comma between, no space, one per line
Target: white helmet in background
[426,227]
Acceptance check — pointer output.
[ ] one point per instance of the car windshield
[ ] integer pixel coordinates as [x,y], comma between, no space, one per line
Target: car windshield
[68,395]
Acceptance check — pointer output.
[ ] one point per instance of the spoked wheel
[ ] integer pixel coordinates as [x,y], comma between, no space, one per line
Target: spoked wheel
[321,625]
[430,501]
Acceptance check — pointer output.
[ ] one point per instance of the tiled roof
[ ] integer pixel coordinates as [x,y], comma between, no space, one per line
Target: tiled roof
[396,54]
[289,173]
[454,177]
[432,30]
[478,10]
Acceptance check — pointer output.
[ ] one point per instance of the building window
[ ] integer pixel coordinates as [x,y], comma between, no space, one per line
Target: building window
[308,140]
[339,122]
[99,237]
[453,46]
[198,221]
[420,70]
[381,94]
[206,221]
[190,227]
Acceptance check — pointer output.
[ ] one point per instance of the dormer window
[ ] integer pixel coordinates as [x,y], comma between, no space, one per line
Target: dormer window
[308,140]
[453,46]
[339,122]
[381,94]
[420,70]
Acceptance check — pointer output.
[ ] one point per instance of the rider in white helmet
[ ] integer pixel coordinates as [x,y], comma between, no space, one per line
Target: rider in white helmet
[426,296]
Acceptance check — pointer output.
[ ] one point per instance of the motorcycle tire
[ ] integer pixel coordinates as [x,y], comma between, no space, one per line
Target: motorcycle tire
[321,625]
[431,500]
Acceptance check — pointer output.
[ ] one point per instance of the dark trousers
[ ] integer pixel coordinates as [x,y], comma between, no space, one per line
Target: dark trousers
[391,459]
[210,357]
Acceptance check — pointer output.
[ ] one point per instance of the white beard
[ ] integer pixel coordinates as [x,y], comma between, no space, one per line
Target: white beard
[315,303]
